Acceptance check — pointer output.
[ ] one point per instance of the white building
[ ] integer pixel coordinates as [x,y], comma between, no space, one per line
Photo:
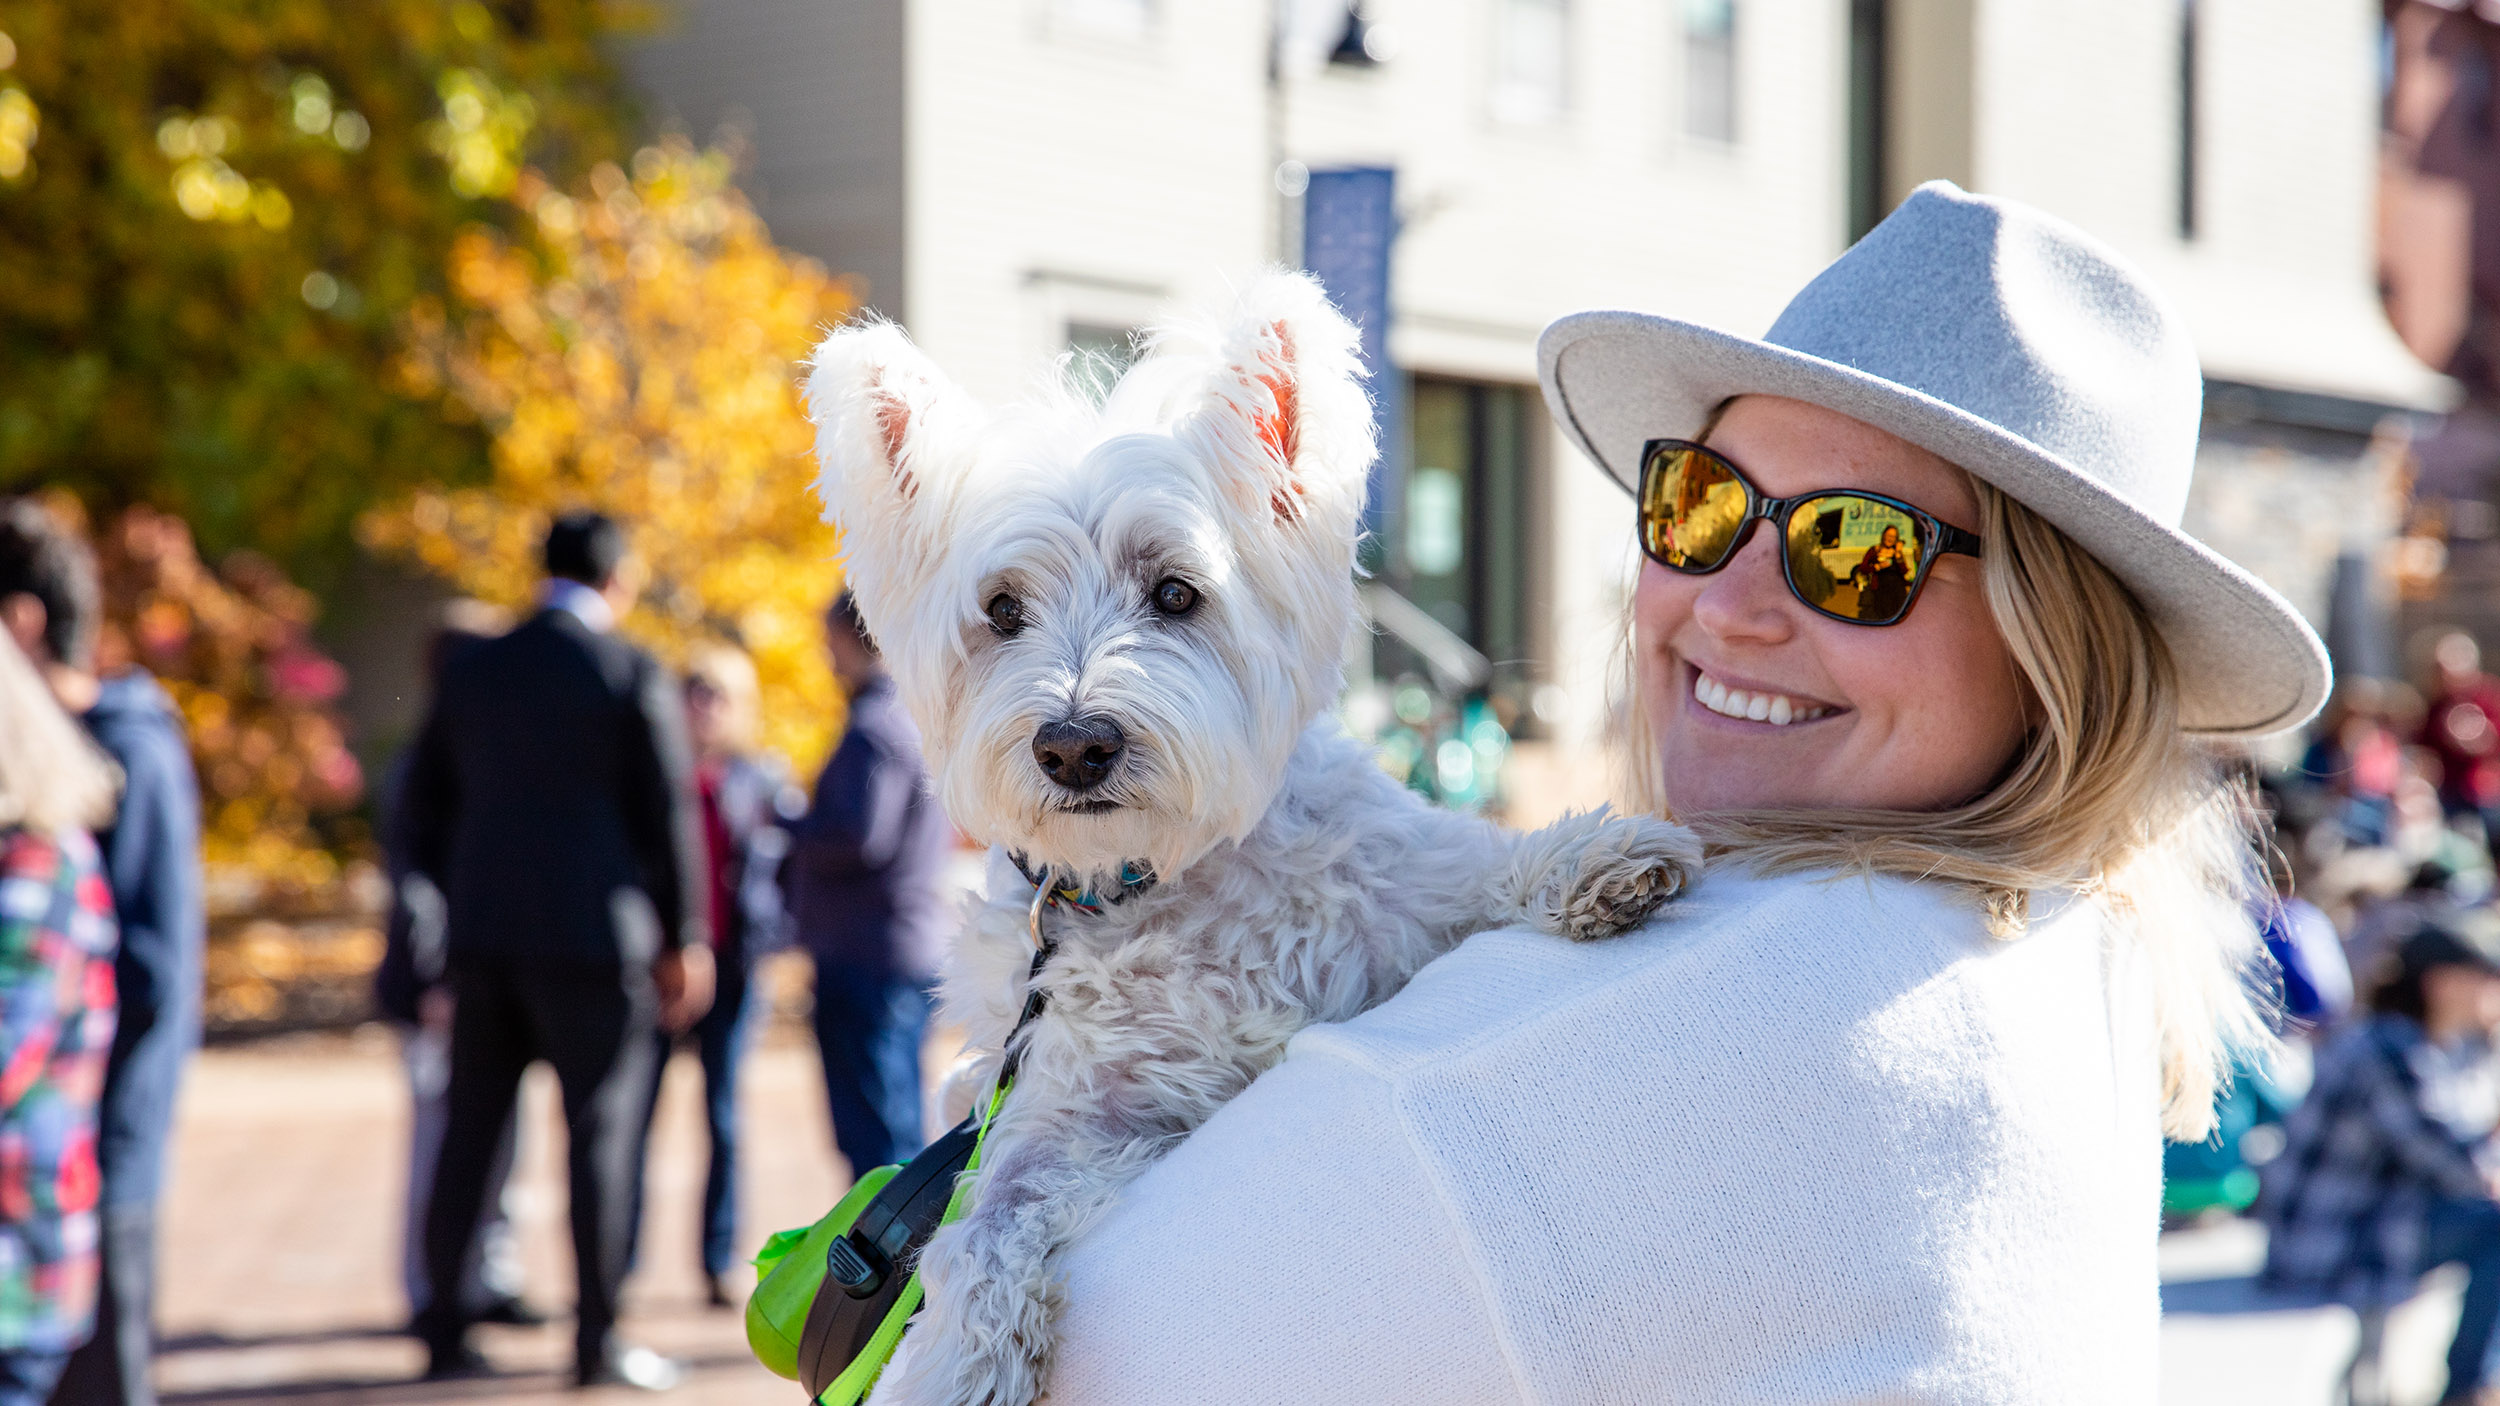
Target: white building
[1012,177]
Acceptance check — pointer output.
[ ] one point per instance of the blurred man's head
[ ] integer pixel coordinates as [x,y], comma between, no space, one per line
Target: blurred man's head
[2446,976]
[50,602]
[854,651]
[721,700]
[590,548]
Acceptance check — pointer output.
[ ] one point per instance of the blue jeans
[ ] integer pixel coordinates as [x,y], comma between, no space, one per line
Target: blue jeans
[720,1041]
[112,1367]
[869,1023]
[2467,1232]
[26,1376]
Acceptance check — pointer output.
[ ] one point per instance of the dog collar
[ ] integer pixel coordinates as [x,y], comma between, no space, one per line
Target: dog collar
[1135,878]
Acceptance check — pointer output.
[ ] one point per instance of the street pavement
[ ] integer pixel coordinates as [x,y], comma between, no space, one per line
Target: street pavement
[2223,1343]
[281,1232]
[280,1261]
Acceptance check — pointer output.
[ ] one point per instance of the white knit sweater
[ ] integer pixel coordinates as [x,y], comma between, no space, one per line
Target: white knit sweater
[1806,1140]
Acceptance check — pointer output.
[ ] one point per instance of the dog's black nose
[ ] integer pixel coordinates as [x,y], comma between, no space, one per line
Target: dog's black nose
[1079,752]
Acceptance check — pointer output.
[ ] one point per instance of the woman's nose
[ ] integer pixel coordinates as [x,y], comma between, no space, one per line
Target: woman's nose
[1748,599]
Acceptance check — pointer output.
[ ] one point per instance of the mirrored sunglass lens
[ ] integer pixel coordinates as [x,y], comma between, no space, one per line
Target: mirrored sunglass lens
[1691,507]
[1854,557]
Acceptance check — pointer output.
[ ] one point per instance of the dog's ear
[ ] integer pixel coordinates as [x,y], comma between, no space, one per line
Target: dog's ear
[894,438]
[1284,412]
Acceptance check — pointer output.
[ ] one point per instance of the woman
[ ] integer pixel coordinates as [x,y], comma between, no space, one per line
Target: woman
[1884,575]
[1876,1113]
[738,788]
[56,1026]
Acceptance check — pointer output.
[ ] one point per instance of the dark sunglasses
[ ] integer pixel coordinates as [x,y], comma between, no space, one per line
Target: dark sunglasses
[1858,557]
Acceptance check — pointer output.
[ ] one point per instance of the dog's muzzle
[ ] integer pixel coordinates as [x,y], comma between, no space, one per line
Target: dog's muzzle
[1079,753]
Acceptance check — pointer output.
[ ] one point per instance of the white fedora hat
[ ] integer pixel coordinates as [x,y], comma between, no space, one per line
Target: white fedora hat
[2013,345]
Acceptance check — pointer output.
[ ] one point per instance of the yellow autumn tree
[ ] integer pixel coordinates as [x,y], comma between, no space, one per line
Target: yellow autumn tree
[640,357]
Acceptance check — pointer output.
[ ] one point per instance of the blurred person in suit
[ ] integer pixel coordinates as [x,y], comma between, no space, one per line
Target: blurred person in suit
[863,880]
[56,1025]
[51,607]
[409,991]
[744,795]
[552,801]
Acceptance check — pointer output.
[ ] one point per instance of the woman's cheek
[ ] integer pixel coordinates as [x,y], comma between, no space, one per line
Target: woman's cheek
[1660,601]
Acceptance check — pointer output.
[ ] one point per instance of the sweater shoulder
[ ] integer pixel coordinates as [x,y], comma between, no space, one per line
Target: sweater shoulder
[1835,945]
[1814,1129]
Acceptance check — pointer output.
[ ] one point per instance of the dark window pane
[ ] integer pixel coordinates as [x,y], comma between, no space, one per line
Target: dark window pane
[1710,70]
[1434,535]
[1103,354]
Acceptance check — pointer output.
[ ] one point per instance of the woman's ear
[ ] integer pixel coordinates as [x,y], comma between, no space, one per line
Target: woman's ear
[894,439]
[1284,415]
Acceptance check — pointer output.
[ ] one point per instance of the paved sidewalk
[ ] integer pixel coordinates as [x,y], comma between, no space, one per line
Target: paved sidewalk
[280,1260]
[2225,1343]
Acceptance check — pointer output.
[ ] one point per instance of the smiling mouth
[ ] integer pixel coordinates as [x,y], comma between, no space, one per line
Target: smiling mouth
[1088,807]
[1777,709]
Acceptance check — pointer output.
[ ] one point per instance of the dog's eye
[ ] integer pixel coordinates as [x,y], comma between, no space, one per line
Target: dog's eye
[1006,613]
[1174,596]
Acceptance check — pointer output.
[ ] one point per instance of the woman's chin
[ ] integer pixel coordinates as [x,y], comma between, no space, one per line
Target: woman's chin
[1763,771]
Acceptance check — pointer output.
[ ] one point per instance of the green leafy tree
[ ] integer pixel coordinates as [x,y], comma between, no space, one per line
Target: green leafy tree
[214,218]
[638,352]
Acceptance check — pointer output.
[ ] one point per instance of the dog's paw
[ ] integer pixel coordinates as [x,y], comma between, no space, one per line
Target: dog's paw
[984,1335]
[1596,875]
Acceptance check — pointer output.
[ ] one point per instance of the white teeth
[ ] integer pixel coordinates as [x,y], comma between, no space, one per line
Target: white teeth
[1777,709]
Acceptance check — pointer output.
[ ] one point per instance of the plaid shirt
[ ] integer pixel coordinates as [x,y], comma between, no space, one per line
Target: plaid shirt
[56,1026]
[2362,1166]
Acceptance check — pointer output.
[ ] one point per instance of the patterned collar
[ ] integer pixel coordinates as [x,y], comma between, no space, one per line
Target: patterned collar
[1135,878]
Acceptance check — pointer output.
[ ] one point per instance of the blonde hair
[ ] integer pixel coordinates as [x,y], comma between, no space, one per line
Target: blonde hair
[52,776]
[2106,796]
[728,672]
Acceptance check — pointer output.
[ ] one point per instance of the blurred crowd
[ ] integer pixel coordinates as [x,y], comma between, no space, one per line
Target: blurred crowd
[2370,1149]
[588,853]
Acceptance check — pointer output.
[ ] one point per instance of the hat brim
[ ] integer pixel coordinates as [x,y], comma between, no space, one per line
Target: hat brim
[2248,664]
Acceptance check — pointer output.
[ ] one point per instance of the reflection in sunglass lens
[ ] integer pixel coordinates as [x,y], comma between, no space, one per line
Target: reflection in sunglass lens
[1691,507]
[1854,558]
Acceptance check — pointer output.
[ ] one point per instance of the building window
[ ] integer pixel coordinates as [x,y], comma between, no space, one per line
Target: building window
[1100,354]
[1710,70]
[1464,546]
[1868,113]
[1114,19]
[2187,119]
[1531,61]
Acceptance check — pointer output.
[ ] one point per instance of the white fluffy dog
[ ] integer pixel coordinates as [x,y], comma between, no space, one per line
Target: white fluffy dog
[1120,629]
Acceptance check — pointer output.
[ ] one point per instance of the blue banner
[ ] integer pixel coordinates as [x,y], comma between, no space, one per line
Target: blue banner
[1349,223]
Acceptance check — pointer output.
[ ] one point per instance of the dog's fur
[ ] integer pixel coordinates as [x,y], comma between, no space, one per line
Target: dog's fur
[1297,882]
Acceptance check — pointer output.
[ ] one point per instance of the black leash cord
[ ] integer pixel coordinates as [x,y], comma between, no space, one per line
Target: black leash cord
[1036,996]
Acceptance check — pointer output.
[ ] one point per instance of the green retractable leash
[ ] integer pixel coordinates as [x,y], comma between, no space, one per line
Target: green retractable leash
[833,1299]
